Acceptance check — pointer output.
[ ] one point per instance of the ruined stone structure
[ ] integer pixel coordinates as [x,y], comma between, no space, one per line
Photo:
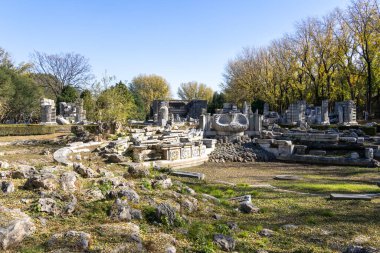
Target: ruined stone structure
[180,108]
[231,122]
[72,112]
[325,113]
[266,110]
[48,113]
[163,114]
[346,112]
[319,115]
[296,113]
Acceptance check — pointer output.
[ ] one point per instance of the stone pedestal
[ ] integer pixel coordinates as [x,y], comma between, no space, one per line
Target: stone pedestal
[325,113]
[163,115]
[285,148]
[318,115]
[296,113]
[369,153]
[346,112]
[138,153]
[172,153]
[48,113]
[186,152]
[266,110]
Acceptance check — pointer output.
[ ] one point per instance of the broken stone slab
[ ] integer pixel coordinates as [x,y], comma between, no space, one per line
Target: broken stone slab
[317,152]
[354,155]
[261,186]
[78,241]
[327,160]
[338,196]
[248,207]
[15,226]
[242,198]
[286,177]
[348,139]
[7,187]
[196,175]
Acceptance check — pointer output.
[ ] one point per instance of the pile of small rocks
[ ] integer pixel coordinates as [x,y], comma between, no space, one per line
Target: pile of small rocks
[239,152]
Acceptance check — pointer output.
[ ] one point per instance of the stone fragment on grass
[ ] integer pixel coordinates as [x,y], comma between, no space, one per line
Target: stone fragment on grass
[116,158]
[189,205]
[136,214]
[94,194]
[105,173]
[266,232]
[84,171]
[224,242]
[216,216]
[163,182]
[23,171]
[360,249]
[165,213]
[289,227]
[47,181]
[70,241]
[170,249]
[14,227]
[286,177]
[5,174]
[189,190]
[120,210]
[4,165]
[209,197]
[68,180]
[70,207]
[248,207]
[130,194]
[125,237]
[7,187]
[138,171]
[47,205]
[232,225]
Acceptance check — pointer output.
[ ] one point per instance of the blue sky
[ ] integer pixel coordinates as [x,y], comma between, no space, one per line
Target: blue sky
[181,40]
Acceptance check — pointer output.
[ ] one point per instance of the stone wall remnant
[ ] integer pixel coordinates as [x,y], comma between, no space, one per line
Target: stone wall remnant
[48,113]
[346,112]
[163,115]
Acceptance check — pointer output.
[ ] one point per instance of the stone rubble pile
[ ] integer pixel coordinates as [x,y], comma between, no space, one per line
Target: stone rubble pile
[239,152]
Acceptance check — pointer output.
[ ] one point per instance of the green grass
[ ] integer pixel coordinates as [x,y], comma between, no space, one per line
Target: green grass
[329,187]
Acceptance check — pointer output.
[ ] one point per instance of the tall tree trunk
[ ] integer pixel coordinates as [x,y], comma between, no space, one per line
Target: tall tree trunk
[369,88]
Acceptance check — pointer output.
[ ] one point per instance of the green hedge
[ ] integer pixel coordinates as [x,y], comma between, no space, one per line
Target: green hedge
[13,129]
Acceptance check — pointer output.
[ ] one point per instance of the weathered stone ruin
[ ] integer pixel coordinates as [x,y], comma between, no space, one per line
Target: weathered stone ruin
[173,148]
[230,122]
[163,114]
[72,112]
[48,113]
[302,144]
[68,112]
[295,115]
[179,110]
[346,112]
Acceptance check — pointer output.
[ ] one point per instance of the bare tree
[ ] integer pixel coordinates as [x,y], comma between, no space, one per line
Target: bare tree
[55,71]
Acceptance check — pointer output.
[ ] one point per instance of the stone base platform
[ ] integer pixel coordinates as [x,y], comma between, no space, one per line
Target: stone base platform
[178,164]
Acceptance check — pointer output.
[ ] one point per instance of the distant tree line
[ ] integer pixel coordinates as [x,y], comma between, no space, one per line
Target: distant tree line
[67,77]
[335,57]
